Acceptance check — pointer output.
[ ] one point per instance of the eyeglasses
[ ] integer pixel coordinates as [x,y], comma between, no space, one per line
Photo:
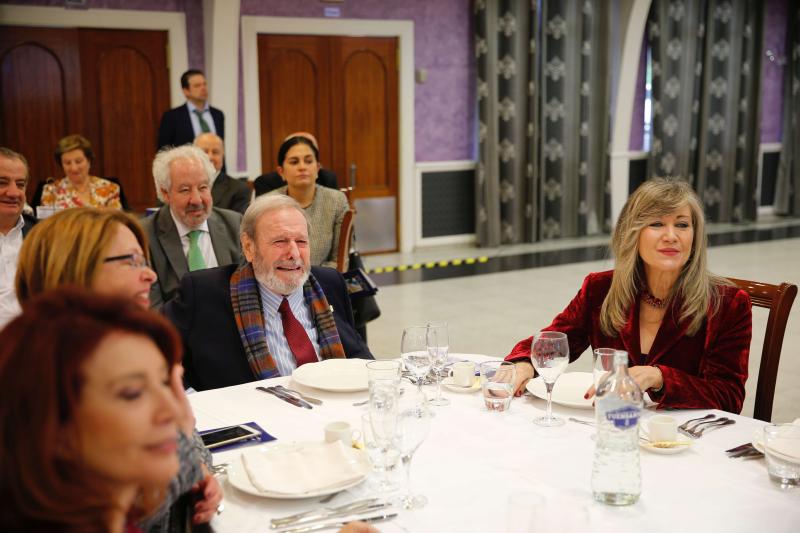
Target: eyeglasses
[135,260]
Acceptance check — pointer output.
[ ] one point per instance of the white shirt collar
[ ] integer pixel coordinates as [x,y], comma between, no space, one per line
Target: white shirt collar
[183,230]
[270,300]
[17,227]
[192,107]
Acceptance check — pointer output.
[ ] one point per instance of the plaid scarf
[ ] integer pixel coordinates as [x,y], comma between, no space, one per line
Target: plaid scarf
[249,316]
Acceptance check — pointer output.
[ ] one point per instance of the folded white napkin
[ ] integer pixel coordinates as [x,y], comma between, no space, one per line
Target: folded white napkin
[302,469]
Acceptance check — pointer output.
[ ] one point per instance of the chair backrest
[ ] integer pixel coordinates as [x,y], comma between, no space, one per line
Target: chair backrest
[345,237]
[778,299]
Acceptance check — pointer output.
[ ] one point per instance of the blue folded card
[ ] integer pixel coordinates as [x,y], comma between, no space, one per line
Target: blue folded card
[265,437]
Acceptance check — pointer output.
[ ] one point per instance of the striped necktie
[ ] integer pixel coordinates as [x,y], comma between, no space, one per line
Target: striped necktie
[203,124]
[195,256]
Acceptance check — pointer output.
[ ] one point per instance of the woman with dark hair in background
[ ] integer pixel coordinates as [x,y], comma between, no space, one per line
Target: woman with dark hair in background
[78,188]
[298,165]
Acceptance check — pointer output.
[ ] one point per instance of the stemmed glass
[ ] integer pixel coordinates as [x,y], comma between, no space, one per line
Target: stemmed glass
[414,426]
[550,357]
[438,348]
[380,442]
[414,351]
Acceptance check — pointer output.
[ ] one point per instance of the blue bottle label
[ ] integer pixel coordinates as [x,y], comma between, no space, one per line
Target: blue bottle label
[624,417]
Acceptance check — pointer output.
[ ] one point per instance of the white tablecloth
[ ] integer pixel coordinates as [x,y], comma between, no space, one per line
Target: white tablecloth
[474,460]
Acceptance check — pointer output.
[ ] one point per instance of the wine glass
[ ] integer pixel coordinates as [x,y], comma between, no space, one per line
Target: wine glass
[413,428]
[414,351]
[438,348]
[550,356]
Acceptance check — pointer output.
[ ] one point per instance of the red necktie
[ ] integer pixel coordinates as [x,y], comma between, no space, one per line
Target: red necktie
[296,336]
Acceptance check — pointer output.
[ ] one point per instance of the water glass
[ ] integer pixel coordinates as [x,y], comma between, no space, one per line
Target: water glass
[414,424]
[438,348]
[382,453]
[383,370]
[782,450]
[603,363]
[497,384]
[414,351]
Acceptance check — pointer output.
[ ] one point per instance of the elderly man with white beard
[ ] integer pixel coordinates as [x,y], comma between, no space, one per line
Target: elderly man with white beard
[264,318]
[188,233]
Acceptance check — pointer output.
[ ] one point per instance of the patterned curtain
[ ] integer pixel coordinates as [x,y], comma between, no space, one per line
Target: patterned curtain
[543,103]
[706,58]
[787,188]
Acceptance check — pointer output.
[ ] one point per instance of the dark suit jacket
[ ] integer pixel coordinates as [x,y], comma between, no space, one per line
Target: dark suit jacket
[176,126]
[213,353]
[230,193]
[166,250]
[271,181]
[706,371]
[28,222]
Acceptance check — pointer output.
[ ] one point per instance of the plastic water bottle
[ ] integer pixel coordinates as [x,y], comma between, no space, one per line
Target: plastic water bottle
[616,476]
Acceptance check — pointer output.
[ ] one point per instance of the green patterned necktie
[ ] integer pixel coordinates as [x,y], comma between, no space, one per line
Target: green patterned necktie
[203,123]
[195,256]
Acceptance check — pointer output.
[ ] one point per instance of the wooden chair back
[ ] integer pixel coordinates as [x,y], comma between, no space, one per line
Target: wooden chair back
[778,299]
[345,237]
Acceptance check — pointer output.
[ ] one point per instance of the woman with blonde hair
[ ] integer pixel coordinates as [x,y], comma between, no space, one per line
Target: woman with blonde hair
[106,251]
[687,331]
[78,188]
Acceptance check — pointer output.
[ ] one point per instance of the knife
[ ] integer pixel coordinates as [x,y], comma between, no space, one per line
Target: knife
[297,402]
[338,524]
[322,513]
[322,516]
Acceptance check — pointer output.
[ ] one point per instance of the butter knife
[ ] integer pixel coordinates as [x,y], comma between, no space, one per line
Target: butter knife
[322,513]
[337,524]
[319,517]
[297,402]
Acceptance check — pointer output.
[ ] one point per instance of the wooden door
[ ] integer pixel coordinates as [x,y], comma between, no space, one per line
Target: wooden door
[124,73]
[345,91]
[40,94]
[109,85]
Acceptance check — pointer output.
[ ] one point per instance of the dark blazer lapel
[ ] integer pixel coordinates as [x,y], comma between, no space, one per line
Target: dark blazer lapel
[216,230]
[171,242]
[630,334]
[669,333]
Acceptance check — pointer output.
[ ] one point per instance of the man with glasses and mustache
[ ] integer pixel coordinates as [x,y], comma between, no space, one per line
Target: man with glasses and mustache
[13,227]
[187,233]
[263,319]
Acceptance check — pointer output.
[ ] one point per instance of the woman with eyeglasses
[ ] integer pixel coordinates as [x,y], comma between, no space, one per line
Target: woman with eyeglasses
[106,250]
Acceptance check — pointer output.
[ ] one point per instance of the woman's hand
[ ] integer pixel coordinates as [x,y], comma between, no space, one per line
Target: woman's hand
[185,416]
[358,527]
[647,377]
[524,374]
[209,496]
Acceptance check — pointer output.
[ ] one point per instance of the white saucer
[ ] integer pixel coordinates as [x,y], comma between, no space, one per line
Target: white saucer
[683,439]
[448,384]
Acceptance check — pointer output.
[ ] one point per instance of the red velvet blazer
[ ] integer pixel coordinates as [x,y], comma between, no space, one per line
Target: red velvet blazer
[706,371]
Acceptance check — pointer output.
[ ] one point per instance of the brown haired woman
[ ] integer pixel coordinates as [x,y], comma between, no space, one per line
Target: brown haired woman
[90,412]
[78,188]
[686,331]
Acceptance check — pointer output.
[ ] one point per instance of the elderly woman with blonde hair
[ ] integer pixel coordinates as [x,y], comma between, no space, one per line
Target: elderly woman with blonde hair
[686,331]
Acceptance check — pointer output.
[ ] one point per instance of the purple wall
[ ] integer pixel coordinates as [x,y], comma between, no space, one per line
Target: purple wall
[444,106]
[775,17]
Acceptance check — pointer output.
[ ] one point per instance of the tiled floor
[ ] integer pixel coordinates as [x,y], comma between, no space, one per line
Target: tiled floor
[488,313]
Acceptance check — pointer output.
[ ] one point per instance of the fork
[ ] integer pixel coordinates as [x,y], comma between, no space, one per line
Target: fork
[685,425]
[718,423]
[302,396]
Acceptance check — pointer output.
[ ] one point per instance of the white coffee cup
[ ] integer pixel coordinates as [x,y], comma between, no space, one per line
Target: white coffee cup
[339,431]
[464,373]
[662,428]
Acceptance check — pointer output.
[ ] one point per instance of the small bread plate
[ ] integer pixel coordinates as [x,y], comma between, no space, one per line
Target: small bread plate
[448,384]
[335,375]
[568,390]
[239,478]
[681,443]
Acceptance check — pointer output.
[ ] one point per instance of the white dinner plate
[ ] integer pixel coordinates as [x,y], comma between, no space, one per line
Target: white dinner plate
[448,384]
[237,475]
[683,439]
[337,375]
[568,390]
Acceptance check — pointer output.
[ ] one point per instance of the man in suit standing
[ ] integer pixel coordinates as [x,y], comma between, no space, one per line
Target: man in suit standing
[227,192]
[187,233]
[268,316]
[13,227]
[182,124]
[271,180]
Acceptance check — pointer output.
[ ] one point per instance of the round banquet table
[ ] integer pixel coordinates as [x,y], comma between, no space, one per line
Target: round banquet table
[474,460]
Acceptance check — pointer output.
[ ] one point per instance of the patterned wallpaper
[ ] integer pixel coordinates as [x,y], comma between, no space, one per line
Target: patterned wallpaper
[775,17]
